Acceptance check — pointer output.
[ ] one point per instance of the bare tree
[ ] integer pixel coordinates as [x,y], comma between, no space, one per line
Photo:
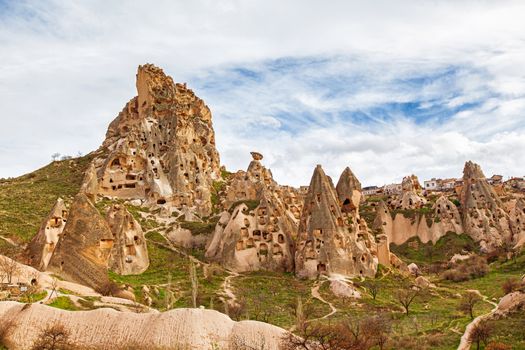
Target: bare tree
[405,296]
[236,309]
[54,288]
[194,283]
[260,308]
[480,333]
[8,268]
[55,156]
[318,336]
[376,331]
[373,288]
[53,337]
[467,303]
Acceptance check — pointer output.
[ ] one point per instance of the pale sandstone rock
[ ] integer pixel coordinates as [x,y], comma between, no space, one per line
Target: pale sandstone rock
[106,328]
[422,282]
[160,148]
[129,254]
[342,289]
[82,253]
[43,244]
[413,269]
[262,238]
[484,218]
[326,243]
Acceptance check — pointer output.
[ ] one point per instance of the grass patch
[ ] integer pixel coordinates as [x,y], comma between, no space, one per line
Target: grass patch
[63,303]
[251,204]
[274,295]
[200,228]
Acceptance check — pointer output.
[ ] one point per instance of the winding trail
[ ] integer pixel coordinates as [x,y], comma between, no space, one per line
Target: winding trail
[227,287]
[315,294]
[9,240]
[465,342]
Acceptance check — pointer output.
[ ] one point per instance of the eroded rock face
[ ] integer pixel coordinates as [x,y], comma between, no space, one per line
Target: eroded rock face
[129,255]
[517,216]
[42,246]
[160,148]
[484,218]
[82,253]
[348,191]
[411,194]
[260,237]
[327,244]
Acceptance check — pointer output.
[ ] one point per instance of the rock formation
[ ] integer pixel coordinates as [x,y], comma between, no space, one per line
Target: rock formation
[261,236]
[348,191]
[43,244]
[82,253]
[517,216]
[411,194]
[109,329]
[484,218]
[327,244]
[160,148]
[443,217]
[129,255]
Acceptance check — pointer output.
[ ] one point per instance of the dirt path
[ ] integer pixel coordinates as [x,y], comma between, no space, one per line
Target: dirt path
[228,289]
[316,295]
[465,342]
[9,240]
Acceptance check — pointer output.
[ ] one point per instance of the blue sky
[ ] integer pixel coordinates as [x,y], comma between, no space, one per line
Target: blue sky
[388,88]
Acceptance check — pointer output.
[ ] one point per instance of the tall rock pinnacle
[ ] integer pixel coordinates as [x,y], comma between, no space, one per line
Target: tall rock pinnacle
[326,243]
[161,147]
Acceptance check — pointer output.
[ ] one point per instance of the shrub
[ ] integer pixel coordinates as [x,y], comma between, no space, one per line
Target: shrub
[511,285]
[497,346]
[474,267]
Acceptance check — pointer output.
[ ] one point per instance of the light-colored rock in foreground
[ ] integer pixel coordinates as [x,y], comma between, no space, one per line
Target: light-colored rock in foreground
[109,329]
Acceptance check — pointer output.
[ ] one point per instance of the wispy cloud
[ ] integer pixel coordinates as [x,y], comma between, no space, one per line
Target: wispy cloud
[389,88]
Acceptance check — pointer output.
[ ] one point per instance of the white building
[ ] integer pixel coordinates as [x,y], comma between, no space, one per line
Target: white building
[430,185]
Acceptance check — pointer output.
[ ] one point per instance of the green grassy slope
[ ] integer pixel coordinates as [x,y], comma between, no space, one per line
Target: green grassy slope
[26,200]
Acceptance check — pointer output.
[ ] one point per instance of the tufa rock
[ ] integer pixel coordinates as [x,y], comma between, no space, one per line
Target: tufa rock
[82,253]
[43,244]
[326,243]
[129,254]
[484,218]
[261,237]
[160,148]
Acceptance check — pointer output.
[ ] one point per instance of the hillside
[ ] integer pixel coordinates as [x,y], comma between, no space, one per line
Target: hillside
[26,200]
[155,223]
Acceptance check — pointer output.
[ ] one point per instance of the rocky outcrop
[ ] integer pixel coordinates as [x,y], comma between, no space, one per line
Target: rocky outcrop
[82,253]
[443,217]
[109,329]
[411,194]
[257,230]
[160,148]
[349,194]
[484,218]
[129,255]
[326,242]
[517,217]
[41,248]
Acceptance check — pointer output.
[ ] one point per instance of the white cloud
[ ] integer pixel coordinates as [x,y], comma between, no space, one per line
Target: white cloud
[67,69]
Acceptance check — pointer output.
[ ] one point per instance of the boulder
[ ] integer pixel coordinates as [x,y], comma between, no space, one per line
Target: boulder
[342,289]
